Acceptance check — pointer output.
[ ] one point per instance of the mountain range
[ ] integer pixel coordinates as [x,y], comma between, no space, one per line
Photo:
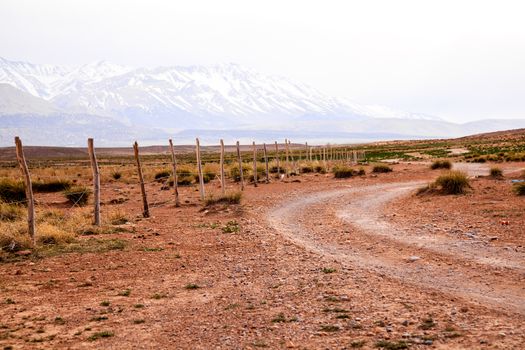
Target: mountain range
[63,105]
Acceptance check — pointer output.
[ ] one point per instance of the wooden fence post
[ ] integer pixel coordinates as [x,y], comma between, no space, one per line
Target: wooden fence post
[277,159]
[223,182]
[254,165]
[199,167]
[355,157]
[287,149]
[239,159]
[96,181]
[266,161]
[29,189]
[175,177]
[145,212]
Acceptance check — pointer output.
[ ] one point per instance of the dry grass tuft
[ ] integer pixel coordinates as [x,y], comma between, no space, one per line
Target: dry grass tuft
[228,198]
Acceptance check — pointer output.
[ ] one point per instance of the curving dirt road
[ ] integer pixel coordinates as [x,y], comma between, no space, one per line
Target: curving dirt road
[471,270]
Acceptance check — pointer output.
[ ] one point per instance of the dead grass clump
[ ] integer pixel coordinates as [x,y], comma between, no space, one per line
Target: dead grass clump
[451,182]
[12,191]
[78,195]
[48,234]
[118,217]
[227,198]
[496,172]
[306,169]
[162,176]
[13,237]
[116,175]
[10,212]
[320,169]
[342,172]
[519,188]
[381,168]
[441,164]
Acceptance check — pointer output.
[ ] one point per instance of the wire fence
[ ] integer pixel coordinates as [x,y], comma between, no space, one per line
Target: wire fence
[78,172]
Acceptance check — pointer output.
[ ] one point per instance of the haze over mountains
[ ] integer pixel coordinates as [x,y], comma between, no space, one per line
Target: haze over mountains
[58,105]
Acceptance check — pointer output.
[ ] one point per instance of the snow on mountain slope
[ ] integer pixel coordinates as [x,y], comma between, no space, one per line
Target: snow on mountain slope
[170,94]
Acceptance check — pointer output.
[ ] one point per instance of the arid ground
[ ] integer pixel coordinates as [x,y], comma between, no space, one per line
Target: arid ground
[307,262]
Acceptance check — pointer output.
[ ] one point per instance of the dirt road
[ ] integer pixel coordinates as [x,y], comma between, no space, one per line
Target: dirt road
[471,270]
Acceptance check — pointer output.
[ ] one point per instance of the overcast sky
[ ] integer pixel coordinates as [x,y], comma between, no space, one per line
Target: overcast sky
[461,60]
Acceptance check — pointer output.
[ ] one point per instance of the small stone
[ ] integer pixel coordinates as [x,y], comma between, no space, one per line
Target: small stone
[428,342]
[24,252]
[413,258]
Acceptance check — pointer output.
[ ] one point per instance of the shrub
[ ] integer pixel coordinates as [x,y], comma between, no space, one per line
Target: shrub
[453,182]
[12,191]
[78,195]
[228,198]
[162,176]
[116,175]
[381,168]
[519,188]
[441,164]
[51,186]
[261,173]
[210,170]
[361,172]
[305,169]
[496,172]
[275,170]
[341,172]
[320,169]
[184,176]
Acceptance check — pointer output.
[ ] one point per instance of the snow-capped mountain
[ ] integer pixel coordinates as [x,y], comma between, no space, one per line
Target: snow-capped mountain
[226,91]
[63,104]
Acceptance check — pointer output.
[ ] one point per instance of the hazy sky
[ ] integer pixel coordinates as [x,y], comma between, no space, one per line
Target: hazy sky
[461,60]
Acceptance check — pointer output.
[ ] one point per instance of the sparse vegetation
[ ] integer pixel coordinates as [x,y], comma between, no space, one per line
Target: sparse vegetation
[231,227]
[389,345]
[227,198]
[10,212]
[441,164]
[191,286]
[328,270]
[329,328]
[98,335]
[78,195]
[381,168]
[12,191]
[51,186]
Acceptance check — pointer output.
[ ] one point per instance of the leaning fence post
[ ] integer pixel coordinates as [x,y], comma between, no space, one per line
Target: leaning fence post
[223,183]
[29,189]
[199,167]
[266,161]
[175,177]
[145,212]
[239,159]
[254,165]
[96,181]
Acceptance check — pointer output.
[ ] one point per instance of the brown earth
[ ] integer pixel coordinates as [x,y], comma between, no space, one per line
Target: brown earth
[316,264]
